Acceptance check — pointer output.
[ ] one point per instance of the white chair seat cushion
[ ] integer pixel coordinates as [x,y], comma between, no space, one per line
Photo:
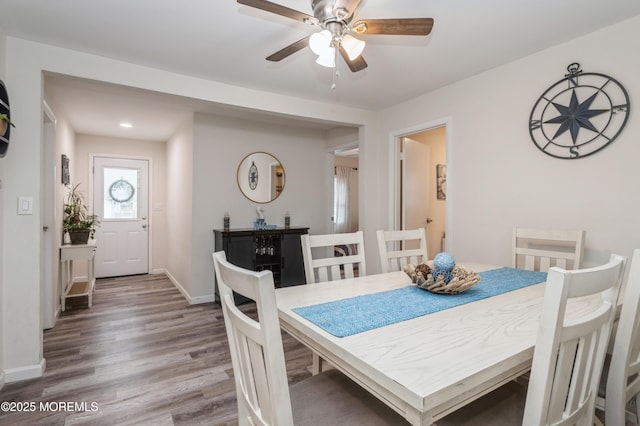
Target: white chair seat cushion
[331,398]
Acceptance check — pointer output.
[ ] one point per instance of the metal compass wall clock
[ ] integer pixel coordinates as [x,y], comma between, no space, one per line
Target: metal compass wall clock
[579,115]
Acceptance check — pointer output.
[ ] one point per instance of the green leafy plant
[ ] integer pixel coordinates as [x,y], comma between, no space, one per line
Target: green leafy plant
[5,117]
[76,214]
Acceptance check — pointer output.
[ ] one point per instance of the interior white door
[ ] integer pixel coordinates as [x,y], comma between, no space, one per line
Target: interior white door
[121,200]
[416,186]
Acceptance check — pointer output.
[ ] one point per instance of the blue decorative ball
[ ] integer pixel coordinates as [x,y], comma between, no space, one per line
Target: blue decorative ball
[443,263]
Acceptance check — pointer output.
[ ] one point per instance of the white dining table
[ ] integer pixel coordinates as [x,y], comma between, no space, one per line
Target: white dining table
[428,366]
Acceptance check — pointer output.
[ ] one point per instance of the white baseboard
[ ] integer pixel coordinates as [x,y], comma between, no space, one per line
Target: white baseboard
[158,271]
[203,299]
[178,286]
[25,373]
[192,300]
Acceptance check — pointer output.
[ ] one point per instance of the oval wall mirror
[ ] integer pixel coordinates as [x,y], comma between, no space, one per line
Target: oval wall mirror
[261,177]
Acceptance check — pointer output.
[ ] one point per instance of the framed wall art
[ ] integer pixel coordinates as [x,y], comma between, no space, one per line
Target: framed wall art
[441,181]
[65,170]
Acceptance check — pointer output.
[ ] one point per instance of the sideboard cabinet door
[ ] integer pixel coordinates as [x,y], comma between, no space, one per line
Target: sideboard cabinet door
[292,262]
[278,250]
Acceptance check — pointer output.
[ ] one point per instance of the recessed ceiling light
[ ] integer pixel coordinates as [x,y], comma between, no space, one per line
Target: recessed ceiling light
[126,125]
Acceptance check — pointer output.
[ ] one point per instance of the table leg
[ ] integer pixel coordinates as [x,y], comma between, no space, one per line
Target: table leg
[91,278]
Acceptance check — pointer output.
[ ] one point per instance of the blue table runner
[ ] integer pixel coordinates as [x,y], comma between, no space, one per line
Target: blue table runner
[362,313]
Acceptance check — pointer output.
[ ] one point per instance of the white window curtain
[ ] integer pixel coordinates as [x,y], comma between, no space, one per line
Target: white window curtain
[342,217]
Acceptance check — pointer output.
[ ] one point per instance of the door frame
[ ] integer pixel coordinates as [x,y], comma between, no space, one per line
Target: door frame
[49,241]
[149,200]
[394,174]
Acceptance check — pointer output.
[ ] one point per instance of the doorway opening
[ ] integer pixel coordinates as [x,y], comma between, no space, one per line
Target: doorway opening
[421,184]
[345,191]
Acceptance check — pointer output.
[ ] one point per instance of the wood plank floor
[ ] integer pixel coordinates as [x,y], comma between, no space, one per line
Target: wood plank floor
[141,355]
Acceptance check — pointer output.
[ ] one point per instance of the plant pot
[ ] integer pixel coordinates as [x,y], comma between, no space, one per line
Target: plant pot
[79,237]
[3,127]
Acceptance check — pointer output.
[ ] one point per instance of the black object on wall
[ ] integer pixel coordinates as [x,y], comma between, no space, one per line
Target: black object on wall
[4,109]
[66,179]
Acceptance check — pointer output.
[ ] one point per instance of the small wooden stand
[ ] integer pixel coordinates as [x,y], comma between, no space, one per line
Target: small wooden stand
[68,254]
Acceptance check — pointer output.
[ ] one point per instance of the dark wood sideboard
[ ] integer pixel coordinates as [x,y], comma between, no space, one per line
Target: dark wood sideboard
[278,250]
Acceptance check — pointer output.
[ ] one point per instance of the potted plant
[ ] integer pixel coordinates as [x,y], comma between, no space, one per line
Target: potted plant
[4,124]
[77,221]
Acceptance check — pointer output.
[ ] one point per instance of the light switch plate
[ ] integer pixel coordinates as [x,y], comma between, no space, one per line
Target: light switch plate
[25,205]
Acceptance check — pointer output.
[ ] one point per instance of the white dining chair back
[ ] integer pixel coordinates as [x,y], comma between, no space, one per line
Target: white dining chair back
[623,372]
[256,350]
[394,250]
[569,353]
[570,349]
[320,262]
[257,357]
[540,249]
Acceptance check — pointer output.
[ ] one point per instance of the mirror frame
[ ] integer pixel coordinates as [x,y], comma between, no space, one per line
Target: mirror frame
[243,173]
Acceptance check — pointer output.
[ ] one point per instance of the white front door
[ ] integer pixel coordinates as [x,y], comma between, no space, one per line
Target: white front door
[121,200]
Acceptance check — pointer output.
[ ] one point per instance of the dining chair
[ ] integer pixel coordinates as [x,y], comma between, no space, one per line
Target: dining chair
[259,369]
[321,263]
[621,375]
[539,249]
[569,354]
[394,251]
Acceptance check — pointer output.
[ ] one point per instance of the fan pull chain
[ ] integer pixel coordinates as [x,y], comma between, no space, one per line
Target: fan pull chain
[336,74]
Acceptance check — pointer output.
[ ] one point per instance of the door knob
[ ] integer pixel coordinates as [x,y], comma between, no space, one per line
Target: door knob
[429,220]
[144,226]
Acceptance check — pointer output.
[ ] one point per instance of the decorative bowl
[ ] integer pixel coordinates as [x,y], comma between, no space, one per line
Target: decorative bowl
[461,279]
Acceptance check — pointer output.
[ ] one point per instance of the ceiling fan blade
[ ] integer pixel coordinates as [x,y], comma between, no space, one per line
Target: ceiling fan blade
[289,50]
[280,10]
[408,26]
[358,64]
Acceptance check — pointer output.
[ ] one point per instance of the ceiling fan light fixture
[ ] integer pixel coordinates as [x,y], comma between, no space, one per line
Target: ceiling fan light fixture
[352,46]
[336,25]
[327,59]
[320,43]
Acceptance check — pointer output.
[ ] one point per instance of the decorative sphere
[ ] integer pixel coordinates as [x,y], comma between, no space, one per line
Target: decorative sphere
[444,262]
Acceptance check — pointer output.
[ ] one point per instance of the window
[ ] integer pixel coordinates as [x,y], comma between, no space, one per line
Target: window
[120,193]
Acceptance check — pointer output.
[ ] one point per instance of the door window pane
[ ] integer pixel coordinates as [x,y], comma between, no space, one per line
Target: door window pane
[120,193]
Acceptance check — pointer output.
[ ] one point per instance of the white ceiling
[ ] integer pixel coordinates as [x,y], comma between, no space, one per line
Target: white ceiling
[227,42]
